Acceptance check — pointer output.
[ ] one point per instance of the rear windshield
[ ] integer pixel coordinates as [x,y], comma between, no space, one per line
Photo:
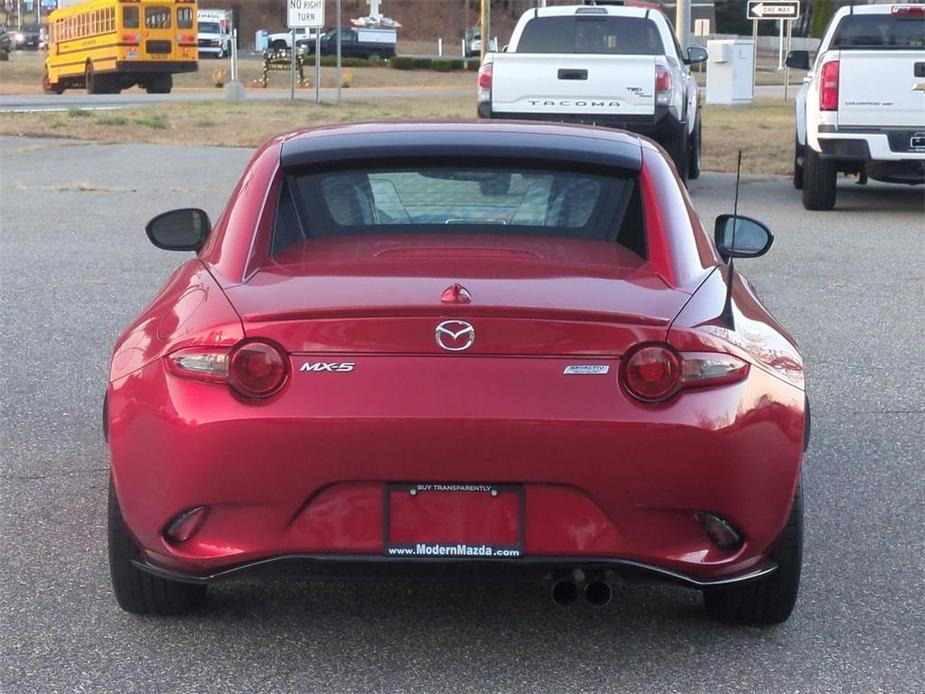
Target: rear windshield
[455,200]
[880,31]
[614,35]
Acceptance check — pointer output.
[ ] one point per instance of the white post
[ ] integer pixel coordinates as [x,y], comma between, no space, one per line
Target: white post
[19,15]
[754,54]
[318,65]
[292,65]
[340,67]
[780,47]
[440,47]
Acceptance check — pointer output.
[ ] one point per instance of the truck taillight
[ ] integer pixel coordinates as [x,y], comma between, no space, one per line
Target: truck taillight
[828,91]
[485,74]
[662,84]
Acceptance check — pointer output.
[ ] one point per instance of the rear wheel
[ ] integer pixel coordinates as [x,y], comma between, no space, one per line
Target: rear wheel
[137,591]
[160,84]
[797,164]
[90,79]
[677,146]
[694,149]
[819,179]
[770,599]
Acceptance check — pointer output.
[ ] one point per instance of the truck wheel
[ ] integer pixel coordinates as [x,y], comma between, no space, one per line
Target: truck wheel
[137,591]
[769,599]
[819,178]
[693,157]
[797,166]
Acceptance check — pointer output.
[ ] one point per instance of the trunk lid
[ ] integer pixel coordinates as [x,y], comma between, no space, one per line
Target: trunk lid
[387,295]
[537,83]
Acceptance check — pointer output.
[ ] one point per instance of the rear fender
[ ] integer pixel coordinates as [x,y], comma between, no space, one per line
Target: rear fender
[191,310]
[756,336]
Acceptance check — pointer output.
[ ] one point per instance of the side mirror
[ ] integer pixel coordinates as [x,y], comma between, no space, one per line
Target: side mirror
[798,60]
[752,238]
[179,230]
[696,54]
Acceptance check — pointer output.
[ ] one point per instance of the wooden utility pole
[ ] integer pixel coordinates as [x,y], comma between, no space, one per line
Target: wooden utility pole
[485,29]
[683,24]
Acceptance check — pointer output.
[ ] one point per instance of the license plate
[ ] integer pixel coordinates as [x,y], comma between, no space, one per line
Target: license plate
[453,521]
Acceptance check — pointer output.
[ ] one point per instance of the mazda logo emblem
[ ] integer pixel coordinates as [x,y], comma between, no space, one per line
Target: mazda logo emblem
[455,335]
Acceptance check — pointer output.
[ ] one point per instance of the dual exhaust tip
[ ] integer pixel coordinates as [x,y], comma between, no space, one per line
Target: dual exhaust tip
[597,593]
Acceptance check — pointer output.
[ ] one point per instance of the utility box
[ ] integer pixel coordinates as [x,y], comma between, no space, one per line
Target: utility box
[262,40]
[730,71]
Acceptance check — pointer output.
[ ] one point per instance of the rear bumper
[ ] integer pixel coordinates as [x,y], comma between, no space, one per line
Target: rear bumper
[871,145]
[663,126]
[604,478]
[168,66]
[361,567]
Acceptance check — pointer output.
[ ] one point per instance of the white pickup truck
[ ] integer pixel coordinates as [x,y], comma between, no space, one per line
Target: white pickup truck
[861,109]
[604,65]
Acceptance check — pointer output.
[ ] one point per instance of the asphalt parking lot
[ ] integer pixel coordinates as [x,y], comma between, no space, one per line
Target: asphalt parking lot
[75,267]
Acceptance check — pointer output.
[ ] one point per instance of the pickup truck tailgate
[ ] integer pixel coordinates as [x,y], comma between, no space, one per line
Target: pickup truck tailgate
[877,88]
[573,84]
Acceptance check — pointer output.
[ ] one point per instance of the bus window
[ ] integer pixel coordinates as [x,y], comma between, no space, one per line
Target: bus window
[157,17]
[184,18]
[130,17]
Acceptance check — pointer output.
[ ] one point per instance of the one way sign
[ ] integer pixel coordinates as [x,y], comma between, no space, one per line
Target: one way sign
[773,9]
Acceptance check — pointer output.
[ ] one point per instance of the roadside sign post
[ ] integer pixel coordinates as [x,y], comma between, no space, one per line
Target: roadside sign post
[340,67]
[307,14]
[292,65]
[784,11]
[318,66]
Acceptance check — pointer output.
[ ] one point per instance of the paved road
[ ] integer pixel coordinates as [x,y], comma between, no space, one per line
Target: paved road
[76,268]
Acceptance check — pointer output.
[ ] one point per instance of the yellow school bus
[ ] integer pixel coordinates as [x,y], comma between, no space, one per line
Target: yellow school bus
[106,46]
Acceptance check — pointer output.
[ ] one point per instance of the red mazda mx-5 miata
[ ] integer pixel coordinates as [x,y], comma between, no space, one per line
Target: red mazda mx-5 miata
[458,349]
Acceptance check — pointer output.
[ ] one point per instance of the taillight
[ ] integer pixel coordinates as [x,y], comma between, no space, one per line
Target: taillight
[185,38]
[485,75]
[662,84]
[257,369]
[828,92]
[655,372]
[130,38]
[652,373]
[253,369]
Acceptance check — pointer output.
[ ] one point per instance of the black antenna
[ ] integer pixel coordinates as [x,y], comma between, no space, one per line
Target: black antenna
[727,307]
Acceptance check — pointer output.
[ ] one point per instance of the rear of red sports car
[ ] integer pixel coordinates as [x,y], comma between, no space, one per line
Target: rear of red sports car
[467,348]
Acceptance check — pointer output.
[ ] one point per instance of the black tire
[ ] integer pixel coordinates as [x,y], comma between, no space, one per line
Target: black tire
[770,599]
[160,84]
[137,591]
[819,179]
[90,80]
[677,148]
[694,150]
[797,166]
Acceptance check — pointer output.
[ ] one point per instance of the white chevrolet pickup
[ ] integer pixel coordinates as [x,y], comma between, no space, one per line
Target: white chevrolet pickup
[861,109]
[599,65]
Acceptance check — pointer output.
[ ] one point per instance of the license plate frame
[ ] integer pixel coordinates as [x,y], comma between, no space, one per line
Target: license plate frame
[450,548]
